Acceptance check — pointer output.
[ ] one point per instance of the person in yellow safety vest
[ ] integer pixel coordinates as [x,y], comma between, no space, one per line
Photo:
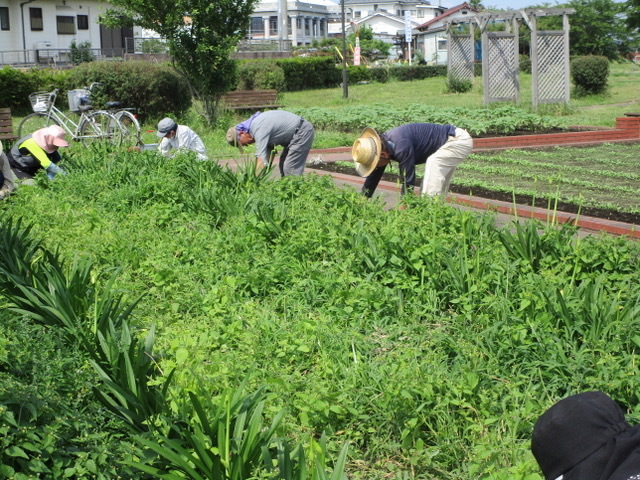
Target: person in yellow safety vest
[38,150]
[7,179]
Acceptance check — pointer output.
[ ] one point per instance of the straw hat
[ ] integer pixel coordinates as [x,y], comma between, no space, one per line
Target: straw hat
[366,152]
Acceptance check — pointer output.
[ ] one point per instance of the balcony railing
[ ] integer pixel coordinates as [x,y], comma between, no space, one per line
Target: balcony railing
[64,57]
[58,56]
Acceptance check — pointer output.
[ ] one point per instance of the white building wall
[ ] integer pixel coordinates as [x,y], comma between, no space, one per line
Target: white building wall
[14,40]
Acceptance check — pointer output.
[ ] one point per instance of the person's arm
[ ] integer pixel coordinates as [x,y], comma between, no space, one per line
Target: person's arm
[407,165]
[165,147]
[371,182]
[190,140]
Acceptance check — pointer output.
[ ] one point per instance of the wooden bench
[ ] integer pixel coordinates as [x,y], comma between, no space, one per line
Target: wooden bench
[6,125]
[250,100]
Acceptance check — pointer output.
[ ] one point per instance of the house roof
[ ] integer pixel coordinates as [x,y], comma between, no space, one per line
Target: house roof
[446,13]
[424,3]
[380,13]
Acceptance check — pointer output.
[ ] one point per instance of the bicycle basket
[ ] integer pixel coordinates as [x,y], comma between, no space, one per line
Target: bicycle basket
[79,98]
[40,101]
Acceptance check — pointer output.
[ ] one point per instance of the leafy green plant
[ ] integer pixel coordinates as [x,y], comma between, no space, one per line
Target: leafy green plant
[80,52]
[458,85]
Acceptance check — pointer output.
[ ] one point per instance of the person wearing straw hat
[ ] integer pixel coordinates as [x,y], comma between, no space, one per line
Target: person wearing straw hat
[272,128]
[38,150]
[586,437]
[179,137]
[7,179]
[440,147]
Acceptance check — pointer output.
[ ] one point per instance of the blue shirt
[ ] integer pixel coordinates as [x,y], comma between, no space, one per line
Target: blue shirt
[409,145]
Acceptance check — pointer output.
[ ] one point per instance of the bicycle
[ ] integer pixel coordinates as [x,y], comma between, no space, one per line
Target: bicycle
[126,116]
[98,125]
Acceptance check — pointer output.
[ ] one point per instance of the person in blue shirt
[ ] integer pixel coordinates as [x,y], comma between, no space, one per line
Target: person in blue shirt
[440,147]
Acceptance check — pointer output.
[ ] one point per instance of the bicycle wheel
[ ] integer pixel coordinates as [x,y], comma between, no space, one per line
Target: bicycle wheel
[100,127]
[33,122]
[130,127]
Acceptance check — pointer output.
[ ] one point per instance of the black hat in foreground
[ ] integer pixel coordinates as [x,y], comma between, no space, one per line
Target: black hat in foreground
[586,437]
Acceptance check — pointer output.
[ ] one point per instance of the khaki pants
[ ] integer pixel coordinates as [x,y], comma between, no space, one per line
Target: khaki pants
[438,170]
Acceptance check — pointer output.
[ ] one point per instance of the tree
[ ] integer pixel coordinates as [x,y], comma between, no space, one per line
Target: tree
[632,10]
[370,48]
[597,28]
[201,35]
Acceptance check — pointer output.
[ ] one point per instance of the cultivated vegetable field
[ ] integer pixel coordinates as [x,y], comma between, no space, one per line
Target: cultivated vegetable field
[174,319]
[604,177]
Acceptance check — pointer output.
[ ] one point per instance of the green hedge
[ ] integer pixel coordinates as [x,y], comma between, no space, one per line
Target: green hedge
[417,72]
[310,73]
[19,84]
[260,74]
[155,89]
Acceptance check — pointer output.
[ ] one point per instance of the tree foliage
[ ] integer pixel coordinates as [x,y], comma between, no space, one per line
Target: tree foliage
[596,28]
[632,10]
[201,35]
[371,48]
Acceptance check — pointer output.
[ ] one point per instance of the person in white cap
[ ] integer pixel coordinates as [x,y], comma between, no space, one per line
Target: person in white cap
[38,150]
[440,147]
[7,179]
[179,137]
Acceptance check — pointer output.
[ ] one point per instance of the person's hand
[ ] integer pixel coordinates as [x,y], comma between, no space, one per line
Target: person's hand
[53,170]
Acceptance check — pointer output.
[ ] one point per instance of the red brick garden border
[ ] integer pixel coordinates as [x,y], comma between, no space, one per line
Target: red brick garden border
[627,129]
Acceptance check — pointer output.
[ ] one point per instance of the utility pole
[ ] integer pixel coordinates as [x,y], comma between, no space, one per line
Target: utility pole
[345,85]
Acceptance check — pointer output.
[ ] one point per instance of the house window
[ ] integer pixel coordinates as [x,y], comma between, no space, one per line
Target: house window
[420,13]
[35,15]
[257,26]
[83,22]
[273,25]
[357,14]
[442,44]
[66,25]
[4,18]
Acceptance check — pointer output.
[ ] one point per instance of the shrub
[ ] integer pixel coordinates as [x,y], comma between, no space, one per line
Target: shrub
[308,73]
[260,74]
[589,74]
[458,84]
[525,64]
[359,73]
[81,53]
[155,89]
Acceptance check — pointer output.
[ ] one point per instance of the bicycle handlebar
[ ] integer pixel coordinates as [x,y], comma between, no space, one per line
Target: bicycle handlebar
[95,84]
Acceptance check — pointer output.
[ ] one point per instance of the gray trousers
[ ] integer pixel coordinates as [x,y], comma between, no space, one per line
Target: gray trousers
[7,173]
[294,156]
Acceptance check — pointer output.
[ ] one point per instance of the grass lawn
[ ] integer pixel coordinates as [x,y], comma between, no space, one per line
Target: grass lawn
[598,110]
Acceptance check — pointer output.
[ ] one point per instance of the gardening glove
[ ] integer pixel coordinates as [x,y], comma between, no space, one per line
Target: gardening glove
[53,170]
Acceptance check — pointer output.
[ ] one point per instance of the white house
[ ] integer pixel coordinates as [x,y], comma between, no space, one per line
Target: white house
[41,25]
[432,35]
[307,20]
